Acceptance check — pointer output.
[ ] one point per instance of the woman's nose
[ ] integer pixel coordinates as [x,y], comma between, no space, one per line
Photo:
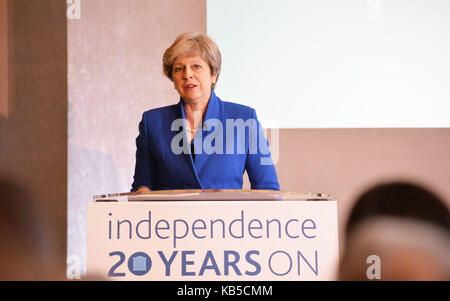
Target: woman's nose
[187,73]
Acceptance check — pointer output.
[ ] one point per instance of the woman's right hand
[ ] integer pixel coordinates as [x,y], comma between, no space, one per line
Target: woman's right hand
[143,189]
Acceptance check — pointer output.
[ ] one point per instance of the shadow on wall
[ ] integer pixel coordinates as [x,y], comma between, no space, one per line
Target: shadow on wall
[90,173]
[397,231]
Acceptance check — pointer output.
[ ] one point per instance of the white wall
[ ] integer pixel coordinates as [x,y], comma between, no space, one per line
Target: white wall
[329,63]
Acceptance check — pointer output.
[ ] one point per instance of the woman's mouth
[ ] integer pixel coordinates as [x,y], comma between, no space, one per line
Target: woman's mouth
[189,87]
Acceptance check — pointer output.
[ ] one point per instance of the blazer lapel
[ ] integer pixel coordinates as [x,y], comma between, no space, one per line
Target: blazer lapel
[210,131]
[188,157]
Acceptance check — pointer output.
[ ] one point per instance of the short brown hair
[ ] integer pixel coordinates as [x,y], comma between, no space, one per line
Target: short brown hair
[193,43]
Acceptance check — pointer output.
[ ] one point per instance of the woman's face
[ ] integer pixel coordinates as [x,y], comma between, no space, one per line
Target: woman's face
[192,78]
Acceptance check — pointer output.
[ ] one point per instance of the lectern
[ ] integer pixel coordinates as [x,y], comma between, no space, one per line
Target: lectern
[212,235]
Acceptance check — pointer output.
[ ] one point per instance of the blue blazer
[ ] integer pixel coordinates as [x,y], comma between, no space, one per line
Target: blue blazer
[221,152]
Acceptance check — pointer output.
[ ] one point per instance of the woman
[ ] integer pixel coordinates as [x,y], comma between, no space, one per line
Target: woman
[202,142]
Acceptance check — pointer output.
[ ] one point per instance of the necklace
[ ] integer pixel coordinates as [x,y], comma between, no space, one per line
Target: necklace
[194,130]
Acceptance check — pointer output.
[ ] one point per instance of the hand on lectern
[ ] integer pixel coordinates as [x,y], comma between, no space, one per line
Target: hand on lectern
[143,189]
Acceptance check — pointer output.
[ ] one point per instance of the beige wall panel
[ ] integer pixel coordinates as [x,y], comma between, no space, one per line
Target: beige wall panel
[345,162]
[33,121]
[3,59]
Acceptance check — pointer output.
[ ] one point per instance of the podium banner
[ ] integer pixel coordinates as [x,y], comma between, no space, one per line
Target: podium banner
[213,240]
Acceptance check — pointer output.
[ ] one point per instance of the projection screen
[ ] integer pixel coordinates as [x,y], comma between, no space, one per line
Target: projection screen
[335,64]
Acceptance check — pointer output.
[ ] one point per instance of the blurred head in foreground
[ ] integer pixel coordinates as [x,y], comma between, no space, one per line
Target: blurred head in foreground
[26,248]
[405,227]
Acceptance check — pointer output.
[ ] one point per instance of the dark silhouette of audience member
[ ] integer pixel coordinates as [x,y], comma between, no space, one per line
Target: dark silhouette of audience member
[406,226]
[26,245]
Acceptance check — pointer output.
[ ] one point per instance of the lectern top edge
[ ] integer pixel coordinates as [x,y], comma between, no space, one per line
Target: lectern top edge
[212,195]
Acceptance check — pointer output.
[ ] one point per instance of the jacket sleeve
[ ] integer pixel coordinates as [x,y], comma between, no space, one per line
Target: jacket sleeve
[259,164]
[145,169]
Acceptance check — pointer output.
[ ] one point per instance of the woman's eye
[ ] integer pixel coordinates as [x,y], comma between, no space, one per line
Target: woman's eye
[177,69]
[197,66]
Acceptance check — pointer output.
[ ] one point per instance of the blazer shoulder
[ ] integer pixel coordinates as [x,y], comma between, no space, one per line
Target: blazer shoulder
[157,114]
[233,108]
[162,110]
